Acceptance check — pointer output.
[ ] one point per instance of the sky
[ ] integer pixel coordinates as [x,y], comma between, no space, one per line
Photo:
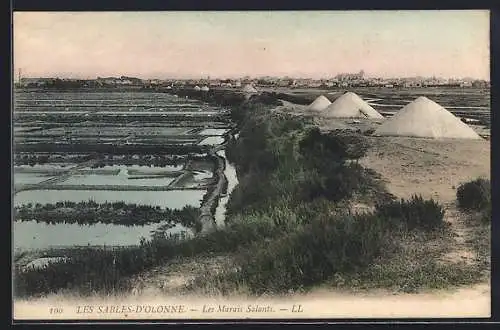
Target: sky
[315,44]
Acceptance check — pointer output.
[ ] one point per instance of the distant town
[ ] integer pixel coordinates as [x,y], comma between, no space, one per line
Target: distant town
[340,80]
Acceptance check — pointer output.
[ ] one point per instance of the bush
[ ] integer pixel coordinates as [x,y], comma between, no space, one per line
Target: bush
[337,182]
[314,253]
[415,213]
[321,147]
[474,195]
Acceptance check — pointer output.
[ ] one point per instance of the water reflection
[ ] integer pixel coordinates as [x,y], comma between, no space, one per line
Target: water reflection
[28,235]
[174,199]
[232,181]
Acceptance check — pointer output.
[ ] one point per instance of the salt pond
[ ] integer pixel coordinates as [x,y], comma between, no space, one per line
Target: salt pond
[135,169]
[29,178]
[212,140]
[117,131]
[29,235]
[44,167]
[214,131]
[202,175]
[153,169]
[114,180]
[175,199]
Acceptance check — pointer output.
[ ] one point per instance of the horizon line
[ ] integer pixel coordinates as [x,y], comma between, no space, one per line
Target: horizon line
[209,77]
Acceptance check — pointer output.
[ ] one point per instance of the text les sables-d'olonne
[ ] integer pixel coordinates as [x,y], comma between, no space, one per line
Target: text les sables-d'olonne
[123,309]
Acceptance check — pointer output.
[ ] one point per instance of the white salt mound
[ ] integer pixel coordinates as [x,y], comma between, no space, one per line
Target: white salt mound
[425,118]
[205,89]
[350,105]
[197,88]
[319,104]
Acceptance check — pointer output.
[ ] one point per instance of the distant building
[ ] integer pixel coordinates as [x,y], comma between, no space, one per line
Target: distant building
[412,84]
[35,82]
[122,81]
[480,84]
[350,76]
[106,81]
[155,82]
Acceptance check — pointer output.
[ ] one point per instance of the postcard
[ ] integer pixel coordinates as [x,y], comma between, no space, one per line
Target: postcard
[220,165]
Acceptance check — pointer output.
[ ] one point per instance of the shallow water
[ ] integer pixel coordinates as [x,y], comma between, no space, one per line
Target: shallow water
[232,181]
[212,140]
[175,199]
[213,131]
[44,167]
[114,180]
[137,169]
[29,235]
[29,178]
[202,175]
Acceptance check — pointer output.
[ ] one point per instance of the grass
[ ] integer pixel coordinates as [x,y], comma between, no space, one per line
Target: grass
[481,245]
[479,225]
[412,264]
[402,261]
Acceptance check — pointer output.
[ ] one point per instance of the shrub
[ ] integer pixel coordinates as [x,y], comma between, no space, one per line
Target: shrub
[330,245]
[321,147]
[474,195]
[252,192]
[337,182]
[415,213]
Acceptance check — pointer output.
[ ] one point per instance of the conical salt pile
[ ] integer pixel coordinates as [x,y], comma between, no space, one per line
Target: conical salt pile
[197,88]
[205,89]
[319,104]
[350,105]
[249,89]
[425,118]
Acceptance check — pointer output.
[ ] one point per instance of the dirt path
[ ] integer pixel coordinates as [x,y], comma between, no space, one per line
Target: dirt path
[462,250]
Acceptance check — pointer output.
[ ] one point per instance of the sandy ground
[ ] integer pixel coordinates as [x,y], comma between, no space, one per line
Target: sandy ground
[433,168]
